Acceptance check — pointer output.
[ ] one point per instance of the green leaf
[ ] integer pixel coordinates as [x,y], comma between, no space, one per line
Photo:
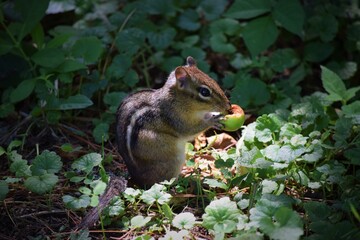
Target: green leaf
[352,111]
[4,189]
[250,92]
[116,207]
[20,168]
[23,90]
[130,40]
[139,221]
[119,67]
[227,26]
[41,184]
[131,194]
[290,14]
[213,183]
[350,93]
[131,78]
[37,35]
[189,20]
[13,144]
[353,155]
[185,220]
[161,39]
[333,84]
[270,121]
[85,190]
[317,211]
[287,224]
[94,200]
[87,162]
[70,65]
[58,41]
[212,9]
[87,48]
[245,9]
[49,57]
[324,25]
[46,162]
[317,51]
[282,59]
[76,203]
[101,132]
[6,109]
[253,158]
[219,43]
[156,194]
[196,53]
[29,16]
[221,215]
[75,102]
[259,34]
[98,187]
[113,99]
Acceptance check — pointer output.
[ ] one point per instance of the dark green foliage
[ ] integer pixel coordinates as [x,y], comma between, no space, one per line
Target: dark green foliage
[276,58]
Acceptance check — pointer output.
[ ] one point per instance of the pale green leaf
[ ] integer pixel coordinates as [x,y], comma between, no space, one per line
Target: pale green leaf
[139,221]
[184,220]
[41,184]
[87,162]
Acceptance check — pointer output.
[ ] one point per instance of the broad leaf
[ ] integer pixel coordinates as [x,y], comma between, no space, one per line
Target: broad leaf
[333,84]
[282,59]
[156,194]
[49,57]
[184,220]
[41,184]
[290,14]
[259,34]
[87,162]
[245,9]
[88,48]
[23,90]
[221,215]
[139,221]
[76,203]
[75,102]
[46,162]
[30,16]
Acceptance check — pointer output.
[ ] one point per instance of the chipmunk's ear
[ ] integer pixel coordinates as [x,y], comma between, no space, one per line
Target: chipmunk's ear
[182,77]
[190,61]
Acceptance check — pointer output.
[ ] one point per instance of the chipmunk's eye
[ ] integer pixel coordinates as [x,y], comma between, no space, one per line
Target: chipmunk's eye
[204,92]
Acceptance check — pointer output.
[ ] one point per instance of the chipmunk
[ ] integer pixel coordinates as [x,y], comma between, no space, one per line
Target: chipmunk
[153,126]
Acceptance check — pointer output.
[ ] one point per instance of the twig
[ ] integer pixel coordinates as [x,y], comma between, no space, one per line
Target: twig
[41,213]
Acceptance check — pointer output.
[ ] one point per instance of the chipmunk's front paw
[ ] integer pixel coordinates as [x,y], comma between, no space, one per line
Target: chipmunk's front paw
[214,118]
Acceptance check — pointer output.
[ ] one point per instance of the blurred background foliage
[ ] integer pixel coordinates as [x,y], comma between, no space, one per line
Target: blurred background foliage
[60,57]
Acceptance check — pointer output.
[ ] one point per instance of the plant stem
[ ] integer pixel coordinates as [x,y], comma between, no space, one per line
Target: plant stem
[18,46]
[108,56]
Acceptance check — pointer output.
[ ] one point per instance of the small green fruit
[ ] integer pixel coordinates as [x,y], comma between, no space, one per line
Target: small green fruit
[233,122]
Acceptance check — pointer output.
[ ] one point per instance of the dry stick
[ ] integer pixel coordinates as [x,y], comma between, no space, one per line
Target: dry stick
[116,186]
